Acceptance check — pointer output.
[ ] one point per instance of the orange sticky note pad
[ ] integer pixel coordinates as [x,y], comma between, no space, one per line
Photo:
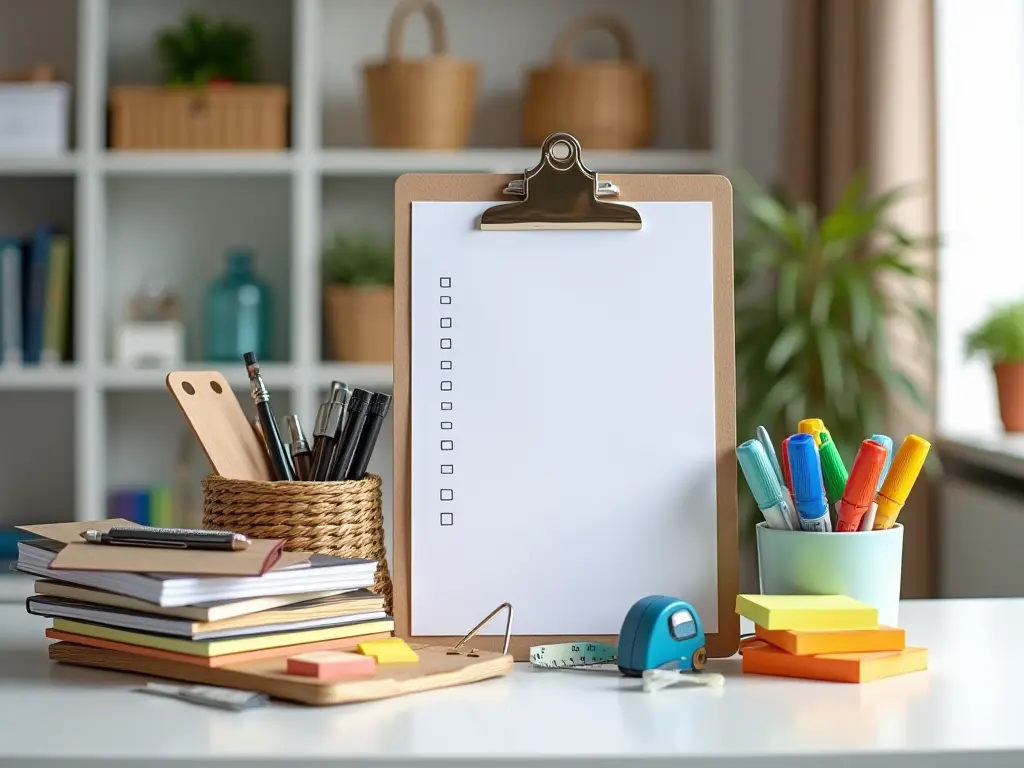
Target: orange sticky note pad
[389,651]
[332,665]
[760,658]
[809,642]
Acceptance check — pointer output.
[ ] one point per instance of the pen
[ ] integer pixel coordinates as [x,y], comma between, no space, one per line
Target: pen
[764,484]
[788,507]
[867,522]
[298,447]
[859,493]
[172,538]
[812,427]
[807,486]
[355,416]
[832,470]
[376,412]
[279,459]
[327,431]
[906,466]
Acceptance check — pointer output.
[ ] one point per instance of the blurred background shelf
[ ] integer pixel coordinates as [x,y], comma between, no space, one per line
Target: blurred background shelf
[26,165]
[115,163]
[33,378]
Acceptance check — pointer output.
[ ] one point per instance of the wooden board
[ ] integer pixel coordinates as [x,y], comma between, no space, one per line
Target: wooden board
[635,188]
[435,669]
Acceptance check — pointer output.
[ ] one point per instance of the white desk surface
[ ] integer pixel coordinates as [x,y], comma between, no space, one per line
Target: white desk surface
[965,710]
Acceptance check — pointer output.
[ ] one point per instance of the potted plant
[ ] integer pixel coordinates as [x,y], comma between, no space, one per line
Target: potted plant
[816,296]
[1000,338]
[359,298]
[209,99]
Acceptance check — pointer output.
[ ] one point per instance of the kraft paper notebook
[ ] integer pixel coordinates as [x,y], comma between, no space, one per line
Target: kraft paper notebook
[564,400]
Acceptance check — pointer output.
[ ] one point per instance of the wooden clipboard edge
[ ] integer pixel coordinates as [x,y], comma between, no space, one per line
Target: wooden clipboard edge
[486,187]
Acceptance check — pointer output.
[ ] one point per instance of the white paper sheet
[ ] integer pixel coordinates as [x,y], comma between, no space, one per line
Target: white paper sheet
[563,454]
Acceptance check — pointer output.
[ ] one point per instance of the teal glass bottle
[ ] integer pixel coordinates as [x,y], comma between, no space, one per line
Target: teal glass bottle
[237,313]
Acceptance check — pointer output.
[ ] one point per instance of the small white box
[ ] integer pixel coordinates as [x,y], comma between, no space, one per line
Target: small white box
[34,118]
[151,344]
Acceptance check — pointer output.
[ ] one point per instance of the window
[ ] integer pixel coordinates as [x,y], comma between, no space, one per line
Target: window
[682,625]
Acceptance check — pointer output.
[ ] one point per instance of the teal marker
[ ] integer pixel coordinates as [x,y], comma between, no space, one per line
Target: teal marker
[886,442]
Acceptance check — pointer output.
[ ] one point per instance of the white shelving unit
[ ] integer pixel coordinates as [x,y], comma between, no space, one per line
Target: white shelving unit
[171,216]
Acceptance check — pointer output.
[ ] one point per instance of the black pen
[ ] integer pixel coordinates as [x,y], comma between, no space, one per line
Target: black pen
[279,458]
[327,431]
[170,538]
[375,416]
[298,447]
[355,415]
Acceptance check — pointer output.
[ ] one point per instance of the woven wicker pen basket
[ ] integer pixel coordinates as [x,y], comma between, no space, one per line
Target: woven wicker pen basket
[342,519]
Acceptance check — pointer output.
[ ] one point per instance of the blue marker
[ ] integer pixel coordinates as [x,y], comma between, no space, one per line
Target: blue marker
[788,506]
[764,485]
[808,489]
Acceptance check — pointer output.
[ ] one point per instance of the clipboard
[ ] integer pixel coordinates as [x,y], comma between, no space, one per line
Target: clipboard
[561,193]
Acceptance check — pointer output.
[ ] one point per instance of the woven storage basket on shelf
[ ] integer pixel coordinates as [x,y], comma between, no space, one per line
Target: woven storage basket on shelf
[605,104]
[420,103]
[342,519]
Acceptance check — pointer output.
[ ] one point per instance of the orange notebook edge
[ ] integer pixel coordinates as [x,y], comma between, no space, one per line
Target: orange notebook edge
[338,644]
[815,642]
[763,659]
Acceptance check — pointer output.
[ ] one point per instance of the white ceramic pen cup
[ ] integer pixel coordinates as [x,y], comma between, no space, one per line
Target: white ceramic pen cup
[865,566]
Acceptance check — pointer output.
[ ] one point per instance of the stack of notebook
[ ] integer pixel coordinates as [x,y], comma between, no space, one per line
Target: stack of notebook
[211,609]
[826,637]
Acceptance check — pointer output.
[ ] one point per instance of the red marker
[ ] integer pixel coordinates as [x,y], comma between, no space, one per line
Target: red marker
[787,474]
[860,487]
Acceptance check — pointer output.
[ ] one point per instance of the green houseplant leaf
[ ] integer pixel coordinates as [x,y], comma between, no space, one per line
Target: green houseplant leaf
[358,259]
[1000,337]
[200,51]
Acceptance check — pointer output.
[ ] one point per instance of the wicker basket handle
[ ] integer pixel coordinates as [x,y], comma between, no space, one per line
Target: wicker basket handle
[562,50]
[435,23]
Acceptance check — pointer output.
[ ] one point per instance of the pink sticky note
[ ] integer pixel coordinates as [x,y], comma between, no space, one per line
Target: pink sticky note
[332,665]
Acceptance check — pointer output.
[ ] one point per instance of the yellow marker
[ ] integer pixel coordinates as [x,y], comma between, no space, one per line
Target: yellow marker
[389,651]
[812,427]
[906,466]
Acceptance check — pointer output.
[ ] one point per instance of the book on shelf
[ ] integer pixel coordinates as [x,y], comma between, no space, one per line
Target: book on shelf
[145,506]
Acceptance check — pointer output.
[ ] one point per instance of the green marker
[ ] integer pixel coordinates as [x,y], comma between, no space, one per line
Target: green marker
[833,471]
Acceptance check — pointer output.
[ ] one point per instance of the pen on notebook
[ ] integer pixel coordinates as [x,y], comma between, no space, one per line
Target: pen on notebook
[812,427]
[906,466]
[833,471]
[298,447]
[807,485]
[355,416]
[376,412]
[170,538]
[327,431]
[867,522]
[859,493]
[764,484]
[280,460]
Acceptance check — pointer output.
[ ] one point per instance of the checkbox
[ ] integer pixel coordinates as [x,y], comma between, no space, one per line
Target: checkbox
[446,425]
[446,299]
[447,518]
[446,322]
[446,365]
[446,386]
[446,282]
[447,445]
[446,406]
[447,494]
[446,343]
[447,469]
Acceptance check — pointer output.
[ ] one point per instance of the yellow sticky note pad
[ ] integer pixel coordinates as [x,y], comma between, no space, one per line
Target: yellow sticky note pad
[392,650]
[807,612]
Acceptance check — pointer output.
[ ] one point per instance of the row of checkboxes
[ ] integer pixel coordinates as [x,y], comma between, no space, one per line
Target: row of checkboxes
[447,494]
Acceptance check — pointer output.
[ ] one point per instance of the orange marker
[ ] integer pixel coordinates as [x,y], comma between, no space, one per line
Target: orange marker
[787,474]
[860,487]
[906,466]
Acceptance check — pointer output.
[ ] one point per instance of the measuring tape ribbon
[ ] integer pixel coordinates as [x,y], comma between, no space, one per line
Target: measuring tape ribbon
[581,654]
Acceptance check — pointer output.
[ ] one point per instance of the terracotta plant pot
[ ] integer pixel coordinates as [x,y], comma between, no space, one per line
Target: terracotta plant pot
[358,323]
[1010,386]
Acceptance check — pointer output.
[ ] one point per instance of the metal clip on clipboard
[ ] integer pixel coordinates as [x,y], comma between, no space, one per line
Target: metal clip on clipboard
[560,193]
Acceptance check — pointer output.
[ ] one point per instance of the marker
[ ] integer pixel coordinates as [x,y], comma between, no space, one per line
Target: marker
[832,470]
[787,495]
[812,427]
[764,484]
[298,447]
[375,414]
[906,466]
[868,521]
[787,470]
[327,431]
[859,493]
[807,486]
[355,418]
